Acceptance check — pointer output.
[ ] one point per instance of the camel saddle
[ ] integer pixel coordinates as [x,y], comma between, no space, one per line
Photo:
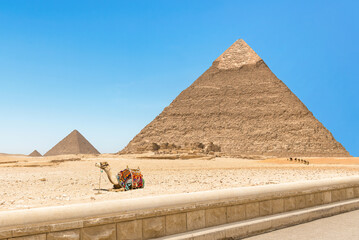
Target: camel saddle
[131,179]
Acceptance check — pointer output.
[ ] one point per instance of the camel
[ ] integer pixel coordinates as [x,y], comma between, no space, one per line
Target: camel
[305,162]
[124,180]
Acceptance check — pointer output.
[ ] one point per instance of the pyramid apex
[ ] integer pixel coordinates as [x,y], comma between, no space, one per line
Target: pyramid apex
[75,132]
[35,153]
[237,55]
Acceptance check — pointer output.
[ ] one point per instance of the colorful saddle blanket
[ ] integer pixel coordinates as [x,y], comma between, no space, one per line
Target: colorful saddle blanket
[131,179]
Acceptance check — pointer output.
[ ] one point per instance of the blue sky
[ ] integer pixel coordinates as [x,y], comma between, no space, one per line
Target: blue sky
[107,68]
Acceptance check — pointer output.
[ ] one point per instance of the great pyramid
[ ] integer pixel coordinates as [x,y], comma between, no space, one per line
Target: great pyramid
[74,143]
[35,153]
[241,106]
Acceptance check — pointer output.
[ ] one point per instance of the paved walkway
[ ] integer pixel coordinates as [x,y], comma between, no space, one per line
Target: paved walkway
[343,226]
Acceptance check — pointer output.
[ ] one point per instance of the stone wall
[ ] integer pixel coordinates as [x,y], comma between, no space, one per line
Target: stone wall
[160,216]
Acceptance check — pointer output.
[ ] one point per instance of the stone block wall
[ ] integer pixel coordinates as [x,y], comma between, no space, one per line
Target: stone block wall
[156,217]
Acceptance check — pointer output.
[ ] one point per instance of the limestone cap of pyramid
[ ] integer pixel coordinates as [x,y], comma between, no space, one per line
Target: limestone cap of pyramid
[75,132]
[236,56]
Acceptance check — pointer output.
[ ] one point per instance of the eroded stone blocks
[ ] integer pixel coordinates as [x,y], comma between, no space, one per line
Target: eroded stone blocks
[55,227]
[153,227]
[236,213]
[32,237]
[335,195]
[147,225]
[356,192]
[327,197]
[259,226]
[300,202]
[350,193]
[252,210]
[319,198]
[289,204]
[176,223]
[130,230]
[277,205]
[265,208]
[30,230]
[102,232]
[64,235]
[310,200]
[4,234]
[238,232]
[343,194]
[216,216]
[196,220]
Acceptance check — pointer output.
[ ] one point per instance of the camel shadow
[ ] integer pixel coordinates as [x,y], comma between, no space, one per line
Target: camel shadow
[101,189]
[109,190]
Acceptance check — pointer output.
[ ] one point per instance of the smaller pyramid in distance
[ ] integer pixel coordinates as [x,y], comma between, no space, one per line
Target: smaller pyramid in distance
[35,153]
[74,143]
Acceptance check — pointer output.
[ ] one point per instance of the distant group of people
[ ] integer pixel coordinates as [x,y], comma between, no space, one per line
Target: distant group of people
[306,162]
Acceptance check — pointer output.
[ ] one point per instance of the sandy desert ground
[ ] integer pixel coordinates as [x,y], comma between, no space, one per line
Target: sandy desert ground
[28,182]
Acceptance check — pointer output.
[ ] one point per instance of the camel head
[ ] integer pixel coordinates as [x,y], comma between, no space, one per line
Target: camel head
[102,165]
